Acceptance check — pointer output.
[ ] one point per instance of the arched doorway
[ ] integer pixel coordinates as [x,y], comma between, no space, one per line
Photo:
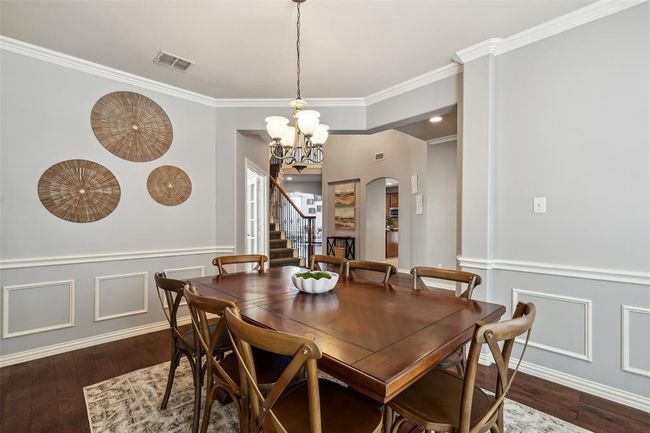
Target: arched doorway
[382,220]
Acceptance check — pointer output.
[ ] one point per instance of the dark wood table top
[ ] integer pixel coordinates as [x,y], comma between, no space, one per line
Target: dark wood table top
[377,338]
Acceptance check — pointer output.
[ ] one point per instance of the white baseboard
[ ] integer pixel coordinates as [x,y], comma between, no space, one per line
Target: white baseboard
[41,352]
[585,385]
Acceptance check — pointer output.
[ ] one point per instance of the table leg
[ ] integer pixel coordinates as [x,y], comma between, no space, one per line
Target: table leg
[388,419]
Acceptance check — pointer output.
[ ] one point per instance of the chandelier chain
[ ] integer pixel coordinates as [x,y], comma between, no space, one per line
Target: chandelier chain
[298,49]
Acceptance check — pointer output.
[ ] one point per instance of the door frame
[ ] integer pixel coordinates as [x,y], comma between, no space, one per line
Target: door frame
[264,195]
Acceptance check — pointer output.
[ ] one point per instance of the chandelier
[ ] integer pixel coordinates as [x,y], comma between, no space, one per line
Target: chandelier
[302,144]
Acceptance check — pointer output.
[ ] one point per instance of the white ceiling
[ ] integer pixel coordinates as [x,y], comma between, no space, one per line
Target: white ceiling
[245,49]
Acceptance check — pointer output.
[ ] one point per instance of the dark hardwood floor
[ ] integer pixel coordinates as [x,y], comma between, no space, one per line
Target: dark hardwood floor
[46,395]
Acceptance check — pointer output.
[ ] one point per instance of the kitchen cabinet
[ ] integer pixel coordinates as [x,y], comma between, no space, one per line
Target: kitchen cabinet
[392,240]
[392,200]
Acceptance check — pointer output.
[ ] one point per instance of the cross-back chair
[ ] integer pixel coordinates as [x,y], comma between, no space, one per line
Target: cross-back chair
[171,293]
[317,263]
[258,259]
[441,401]
[309,406]
[457,359]
[385,268]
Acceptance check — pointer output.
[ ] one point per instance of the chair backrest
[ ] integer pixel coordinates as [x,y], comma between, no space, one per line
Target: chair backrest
[491,334]
[316,261]
[387,269]
[304,351]
[200,307]
[258,259]
[472,280]
[170,292]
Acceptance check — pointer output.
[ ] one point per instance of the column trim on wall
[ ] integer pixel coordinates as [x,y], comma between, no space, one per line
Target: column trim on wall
[585,385]
[625,339]
[34,262]
[145,295]
[6,309]
[587,355]
[572,271]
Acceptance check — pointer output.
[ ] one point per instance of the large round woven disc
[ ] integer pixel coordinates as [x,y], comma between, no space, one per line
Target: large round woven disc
[131,126]
[79,191]
[169,185]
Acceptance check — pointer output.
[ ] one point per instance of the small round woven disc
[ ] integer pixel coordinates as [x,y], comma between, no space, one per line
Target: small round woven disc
[169,185]
[131,126]
[79,191]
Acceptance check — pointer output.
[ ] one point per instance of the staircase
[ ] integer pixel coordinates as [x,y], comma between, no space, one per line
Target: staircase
[280,249]
[291,231]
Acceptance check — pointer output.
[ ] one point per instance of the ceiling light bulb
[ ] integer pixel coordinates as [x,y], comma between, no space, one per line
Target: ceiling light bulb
[435,119]
[308,121]
[289,136]
[289,178]
[321,134]
[276,126]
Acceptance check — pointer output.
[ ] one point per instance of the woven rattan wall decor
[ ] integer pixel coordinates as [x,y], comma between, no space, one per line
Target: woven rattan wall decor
[79,191]
[131,126]
[169,185]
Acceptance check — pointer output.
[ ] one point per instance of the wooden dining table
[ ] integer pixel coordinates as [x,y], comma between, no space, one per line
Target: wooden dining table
[378,338]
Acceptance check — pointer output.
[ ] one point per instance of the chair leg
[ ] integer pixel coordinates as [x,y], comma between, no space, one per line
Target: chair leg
[209,398]
[388,419]
[196,373]
[173,363]
[460,369]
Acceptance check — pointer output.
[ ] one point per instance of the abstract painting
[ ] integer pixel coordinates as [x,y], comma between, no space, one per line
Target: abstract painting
[344,218]
[344,194]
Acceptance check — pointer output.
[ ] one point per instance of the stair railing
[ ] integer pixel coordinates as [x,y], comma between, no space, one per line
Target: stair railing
[297,227]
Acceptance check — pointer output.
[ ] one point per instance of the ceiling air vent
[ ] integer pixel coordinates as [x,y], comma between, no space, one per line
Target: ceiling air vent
[379,156]
[172,61]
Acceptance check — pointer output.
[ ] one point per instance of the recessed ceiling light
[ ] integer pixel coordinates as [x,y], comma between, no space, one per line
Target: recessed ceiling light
[435,119]
[289,178]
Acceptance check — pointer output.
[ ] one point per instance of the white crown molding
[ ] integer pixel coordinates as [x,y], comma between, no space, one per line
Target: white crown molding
[6,310]
[145,295]
[587,355]
[54,349]
[625,339]
[598,389]
[284,102]
[590,273]
[441,73]
[584,15]
[441,140]
[34,262]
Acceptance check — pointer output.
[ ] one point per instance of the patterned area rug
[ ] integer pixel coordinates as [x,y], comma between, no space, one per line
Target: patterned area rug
[130,403]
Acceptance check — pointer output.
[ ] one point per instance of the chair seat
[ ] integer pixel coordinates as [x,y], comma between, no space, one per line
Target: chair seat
[223,344]
[268,366]
[342,410]
[433,402]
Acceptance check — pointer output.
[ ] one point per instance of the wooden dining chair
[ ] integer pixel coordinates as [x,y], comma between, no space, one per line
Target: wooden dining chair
[171,293]
[457,359]
[222,372]
[317,263]
[385,268]
[441,401]
[308,406]
[258,259]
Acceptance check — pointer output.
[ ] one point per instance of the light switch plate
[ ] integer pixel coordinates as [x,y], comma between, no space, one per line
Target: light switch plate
[539,204]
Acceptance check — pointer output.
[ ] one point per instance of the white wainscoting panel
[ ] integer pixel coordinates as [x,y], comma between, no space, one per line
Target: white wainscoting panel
[145,295]
[184,274]
[586,304]
[626,310]
[6,308]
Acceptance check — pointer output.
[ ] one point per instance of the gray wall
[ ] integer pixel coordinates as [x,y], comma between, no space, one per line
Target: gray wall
[354,156]
[440,205]
[566,118]
[315,188]
[375,232]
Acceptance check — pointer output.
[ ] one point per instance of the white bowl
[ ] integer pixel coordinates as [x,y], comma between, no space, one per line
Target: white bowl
[312,285]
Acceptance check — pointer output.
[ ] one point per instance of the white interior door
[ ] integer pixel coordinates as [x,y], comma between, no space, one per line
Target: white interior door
[256,213]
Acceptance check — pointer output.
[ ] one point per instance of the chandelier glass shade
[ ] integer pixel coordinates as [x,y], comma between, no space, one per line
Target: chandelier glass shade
[302,143]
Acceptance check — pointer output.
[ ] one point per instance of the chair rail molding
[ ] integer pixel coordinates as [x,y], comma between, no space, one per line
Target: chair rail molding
[6,308]
[625,339]
[572,271]
[145,295]
[34,262]
[571,20]
[587,355]
[598,389]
